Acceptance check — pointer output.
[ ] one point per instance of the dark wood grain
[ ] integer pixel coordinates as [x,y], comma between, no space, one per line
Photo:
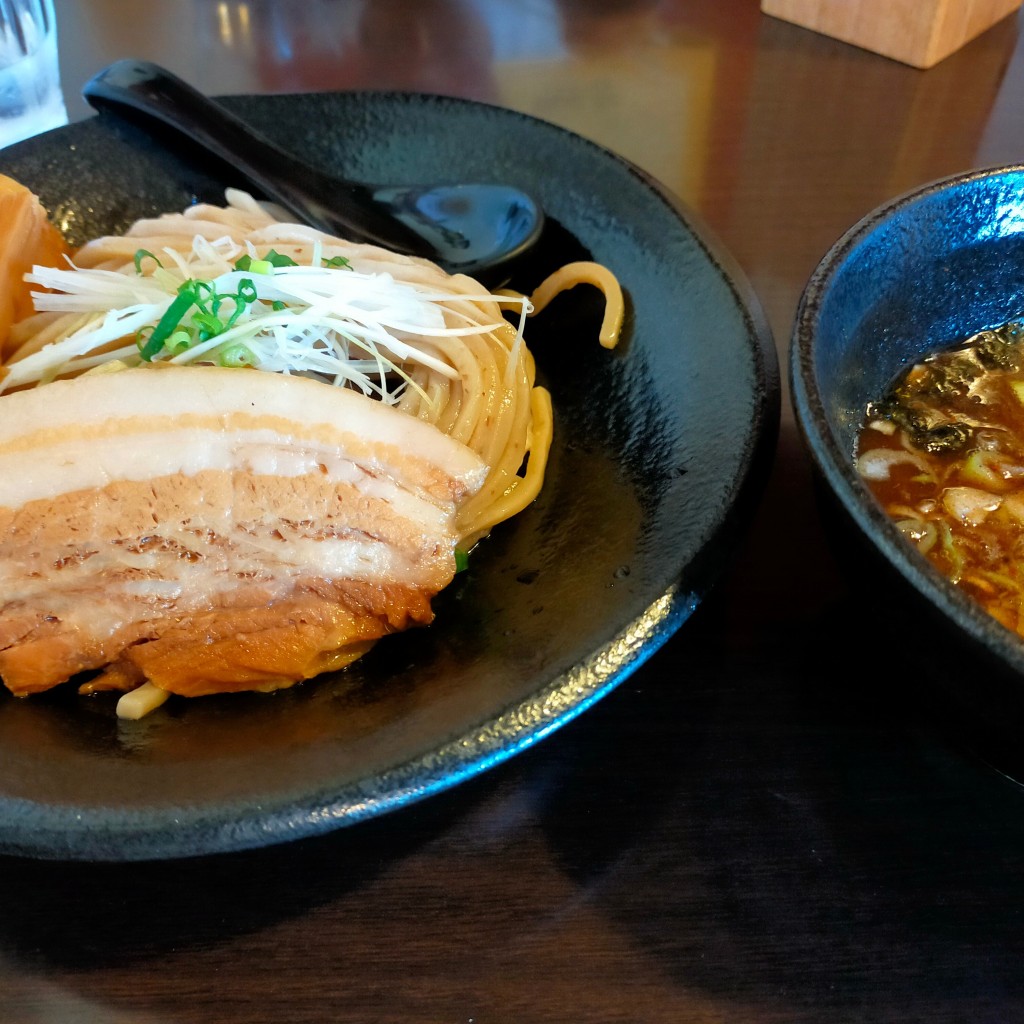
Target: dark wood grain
[768,822]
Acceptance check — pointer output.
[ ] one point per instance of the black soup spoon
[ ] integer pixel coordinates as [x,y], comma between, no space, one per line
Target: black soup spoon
[471,229]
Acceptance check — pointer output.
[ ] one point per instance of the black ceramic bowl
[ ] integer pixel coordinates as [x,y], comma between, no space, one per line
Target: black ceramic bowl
[661,448]
[924,271]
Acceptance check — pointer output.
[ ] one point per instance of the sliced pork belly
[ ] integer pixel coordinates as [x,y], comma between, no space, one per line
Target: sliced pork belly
[212,529]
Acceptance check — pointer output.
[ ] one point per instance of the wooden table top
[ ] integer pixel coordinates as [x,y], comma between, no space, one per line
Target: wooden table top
[751,827]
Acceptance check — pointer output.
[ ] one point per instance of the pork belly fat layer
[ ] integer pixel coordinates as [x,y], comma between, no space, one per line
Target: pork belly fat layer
[180,501]
[91,428]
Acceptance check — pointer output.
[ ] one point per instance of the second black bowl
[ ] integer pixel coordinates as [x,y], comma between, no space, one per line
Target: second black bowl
[920,273]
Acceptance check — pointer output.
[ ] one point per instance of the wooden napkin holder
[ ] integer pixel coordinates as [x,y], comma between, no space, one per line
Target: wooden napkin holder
[915,32]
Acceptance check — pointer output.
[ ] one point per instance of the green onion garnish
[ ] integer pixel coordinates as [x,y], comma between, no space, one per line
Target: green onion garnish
[246,295]
[179,341]
[205,294]
[337,262]
[236,355]
[461,559]
[278,259]
[246,291]
[140,255]
[209,324]
[205,322]
[184,301]
[273,259]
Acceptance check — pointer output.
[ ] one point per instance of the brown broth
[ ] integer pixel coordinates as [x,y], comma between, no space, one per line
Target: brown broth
[943,453]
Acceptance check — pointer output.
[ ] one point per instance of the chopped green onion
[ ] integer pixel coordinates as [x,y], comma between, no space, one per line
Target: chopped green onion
[261,267]
[179,341]
[279,259]
[246,291]
[172,317]
[209,325]
[246,295]
[236,355]
[337,263]
[273,259]
[277,305]
[205,294]
[461,559]
[140,255]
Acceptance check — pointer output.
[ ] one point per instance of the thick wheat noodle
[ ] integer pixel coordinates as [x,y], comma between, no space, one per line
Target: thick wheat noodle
[492,405]
[478,399]
[436,394]
[503,505]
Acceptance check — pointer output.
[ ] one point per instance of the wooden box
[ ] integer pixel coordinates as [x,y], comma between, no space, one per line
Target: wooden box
[916,32]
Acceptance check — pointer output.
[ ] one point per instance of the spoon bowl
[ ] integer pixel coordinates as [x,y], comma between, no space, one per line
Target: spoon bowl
[476,229]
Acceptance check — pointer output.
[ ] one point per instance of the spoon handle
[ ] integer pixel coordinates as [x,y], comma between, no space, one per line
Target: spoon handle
[332,204]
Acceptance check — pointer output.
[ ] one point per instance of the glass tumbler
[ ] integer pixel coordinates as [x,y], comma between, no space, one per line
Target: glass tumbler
[31,100]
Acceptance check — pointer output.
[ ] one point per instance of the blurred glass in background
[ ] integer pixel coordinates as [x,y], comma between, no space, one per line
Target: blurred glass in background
[30,96]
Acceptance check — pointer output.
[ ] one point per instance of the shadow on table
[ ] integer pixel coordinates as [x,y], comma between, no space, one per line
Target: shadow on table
[93,915]
[822,844]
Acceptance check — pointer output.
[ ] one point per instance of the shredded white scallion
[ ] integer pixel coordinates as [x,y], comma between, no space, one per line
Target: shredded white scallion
[361,330]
